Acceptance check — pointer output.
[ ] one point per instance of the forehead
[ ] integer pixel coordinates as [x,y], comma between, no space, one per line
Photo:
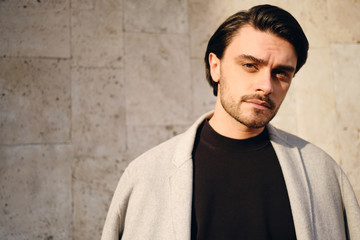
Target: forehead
[261,44]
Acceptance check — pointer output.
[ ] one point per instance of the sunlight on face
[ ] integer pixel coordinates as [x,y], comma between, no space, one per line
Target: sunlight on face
[254,76]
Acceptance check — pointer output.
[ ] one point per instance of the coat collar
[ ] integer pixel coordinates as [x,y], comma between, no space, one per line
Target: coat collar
[181,182]
[296,181]
[185,146]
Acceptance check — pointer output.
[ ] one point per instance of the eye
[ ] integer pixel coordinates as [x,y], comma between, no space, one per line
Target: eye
[250,67]
[281,75]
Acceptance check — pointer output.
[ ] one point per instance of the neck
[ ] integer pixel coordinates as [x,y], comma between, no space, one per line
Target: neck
[229,127]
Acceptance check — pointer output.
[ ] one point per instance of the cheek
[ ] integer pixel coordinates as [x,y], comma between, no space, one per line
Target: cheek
[281,91]
[284,88]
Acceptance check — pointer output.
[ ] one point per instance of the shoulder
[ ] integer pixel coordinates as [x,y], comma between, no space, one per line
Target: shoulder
[290,140]
[156,159]
[311,154]
[169,154]
[321,171]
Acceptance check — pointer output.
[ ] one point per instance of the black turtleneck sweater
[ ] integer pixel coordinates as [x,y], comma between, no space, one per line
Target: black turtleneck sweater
[239,190]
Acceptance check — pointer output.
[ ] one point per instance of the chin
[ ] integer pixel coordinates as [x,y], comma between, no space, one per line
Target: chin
[255,121]
[255,124]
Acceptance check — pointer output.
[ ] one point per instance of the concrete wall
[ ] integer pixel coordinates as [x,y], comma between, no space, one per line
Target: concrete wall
[86,86]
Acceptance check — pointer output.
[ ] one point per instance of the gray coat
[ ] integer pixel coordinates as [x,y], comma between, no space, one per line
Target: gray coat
[154,196]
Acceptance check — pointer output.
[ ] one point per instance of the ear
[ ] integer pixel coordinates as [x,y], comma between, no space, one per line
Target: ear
[214,63]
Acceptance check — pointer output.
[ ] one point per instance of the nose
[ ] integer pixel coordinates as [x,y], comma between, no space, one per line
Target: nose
[264,84]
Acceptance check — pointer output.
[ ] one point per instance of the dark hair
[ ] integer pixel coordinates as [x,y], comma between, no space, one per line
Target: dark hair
[265,18]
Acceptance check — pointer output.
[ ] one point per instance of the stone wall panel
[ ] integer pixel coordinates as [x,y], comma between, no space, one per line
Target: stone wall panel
[35,195]
[98,116]
[316,106]
[203,99]
[94,182]
[344,20]
[157,79]
[35,29]
[346,70]
[204,18]
[97,37]
[156,16]
[35,101]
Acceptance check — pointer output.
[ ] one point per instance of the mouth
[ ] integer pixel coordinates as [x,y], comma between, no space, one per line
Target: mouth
[259,103]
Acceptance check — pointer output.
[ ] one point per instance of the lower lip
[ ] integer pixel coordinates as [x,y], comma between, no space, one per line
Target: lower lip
[258,106]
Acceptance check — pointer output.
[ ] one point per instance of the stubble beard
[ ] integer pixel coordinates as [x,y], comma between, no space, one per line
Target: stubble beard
[252,118]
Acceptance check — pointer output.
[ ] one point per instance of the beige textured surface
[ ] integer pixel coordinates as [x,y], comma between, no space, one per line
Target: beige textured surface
[157,79]
[34,29]
[97,36]
[86,86]
[92,193]
[98,106]
[346,64]
[35,183]
[316,106]
[343,18]
[161,16]
[35,101]
[203,98]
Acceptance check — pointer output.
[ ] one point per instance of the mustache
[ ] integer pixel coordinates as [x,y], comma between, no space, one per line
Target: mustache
[259,97]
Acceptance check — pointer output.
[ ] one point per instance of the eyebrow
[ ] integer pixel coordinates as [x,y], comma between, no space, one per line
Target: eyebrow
[251,58]
[263,62]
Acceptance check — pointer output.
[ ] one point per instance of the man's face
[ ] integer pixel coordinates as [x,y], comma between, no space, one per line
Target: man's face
[254,75]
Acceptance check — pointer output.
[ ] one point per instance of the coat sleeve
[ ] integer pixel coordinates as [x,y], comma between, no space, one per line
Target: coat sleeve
[351,210]
[115,219]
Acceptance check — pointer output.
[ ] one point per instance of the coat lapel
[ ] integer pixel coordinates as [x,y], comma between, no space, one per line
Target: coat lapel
[181,200]
[296,183]
[181,182]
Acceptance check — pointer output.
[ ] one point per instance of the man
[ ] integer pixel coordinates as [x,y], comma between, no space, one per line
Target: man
[232,175]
